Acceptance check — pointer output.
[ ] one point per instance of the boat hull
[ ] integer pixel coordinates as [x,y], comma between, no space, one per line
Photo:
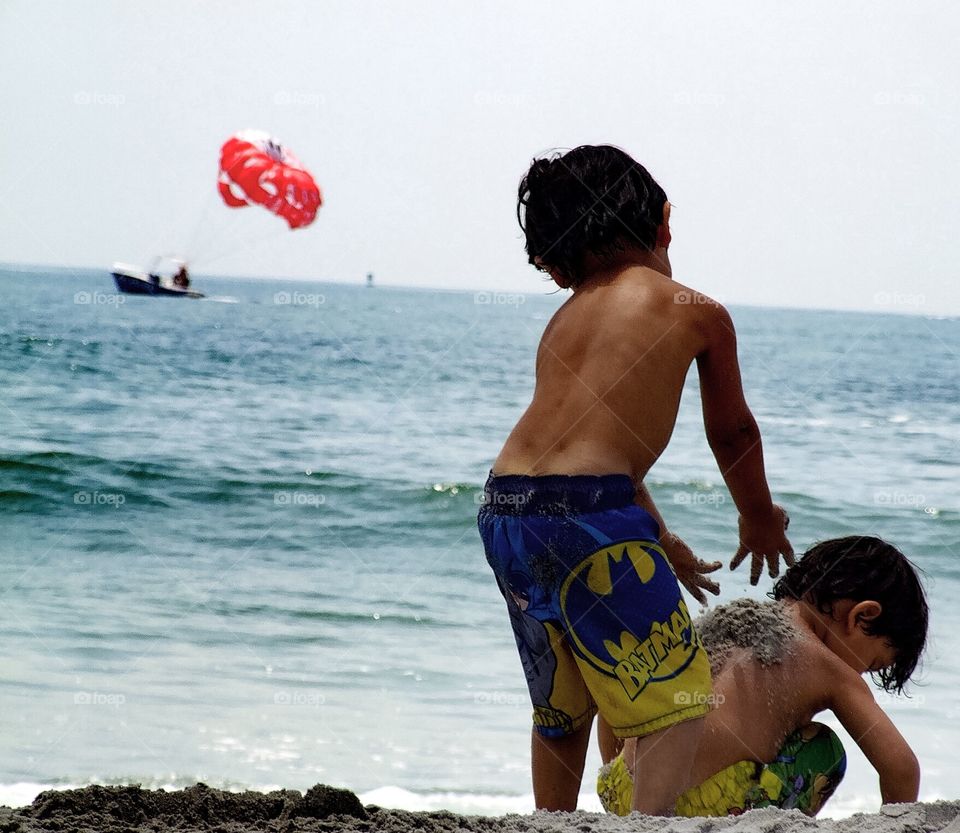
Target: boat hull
[134,283]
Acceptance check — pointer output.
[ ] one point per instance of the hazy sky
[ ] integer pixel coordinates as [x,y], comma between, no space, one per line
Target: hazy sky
[811,149]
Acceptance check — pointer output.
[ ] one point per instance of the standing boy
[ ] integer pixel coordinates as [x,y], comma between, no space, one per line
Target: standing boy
[587,570]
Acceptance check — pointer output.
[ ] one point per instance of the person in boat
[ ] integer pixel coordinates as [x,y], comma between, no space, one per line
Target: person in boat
[182,278]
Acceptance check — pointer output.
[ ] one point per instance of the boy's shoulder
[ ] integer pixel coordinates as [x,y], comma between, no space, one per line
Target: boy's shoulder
[825,674]
[691,304]
[634,299]
[701,306]
[685,301]
[703,315]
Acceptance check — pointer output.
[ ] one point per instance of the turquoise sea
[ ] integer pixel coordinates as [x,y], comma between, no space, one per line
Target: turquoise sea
[238,541]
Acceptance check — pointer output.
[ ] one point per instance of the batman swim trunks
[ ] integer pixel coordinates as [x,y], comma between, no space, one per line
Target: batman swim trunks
[596,609]
[805,773]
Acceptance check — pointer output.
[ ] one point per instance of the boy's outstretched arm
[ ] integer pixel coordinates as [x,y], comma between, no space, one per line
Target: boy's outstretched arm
[735,441]
[691,571]
[881,742]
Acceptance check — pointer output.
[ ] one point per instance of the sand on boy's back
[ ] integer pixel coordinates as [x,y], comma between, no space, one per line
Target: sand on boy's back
[765,628]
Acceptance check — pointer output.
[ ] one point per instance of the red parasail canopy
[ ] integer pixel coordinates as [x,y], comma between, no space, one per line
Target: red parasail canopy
[256,169]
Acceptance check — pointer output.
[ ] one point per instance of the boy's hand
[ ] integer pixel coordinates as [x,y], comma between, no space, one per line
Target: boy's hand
[765,537]
[690,570]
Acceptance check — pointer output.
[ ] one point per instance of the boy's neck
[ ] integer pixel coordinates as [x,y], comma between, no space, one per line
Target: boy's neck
[598,270]
[810,618]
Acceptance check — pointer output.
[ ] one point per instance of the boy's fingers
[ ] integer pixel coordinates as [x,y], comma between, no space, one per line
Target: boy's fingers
[756,567]
[690,585]
[788,555]
[773,564]
[709,585]
[741,553]
[698,582]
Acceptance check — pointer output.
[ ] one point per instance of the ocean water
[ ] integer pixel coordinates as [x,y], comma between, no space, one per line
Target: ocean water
[238,541]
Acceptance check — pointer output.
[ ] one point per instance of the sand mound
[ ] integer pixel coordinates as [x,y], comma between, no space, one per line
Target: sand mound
[200,808]
[195,808]
[763,627]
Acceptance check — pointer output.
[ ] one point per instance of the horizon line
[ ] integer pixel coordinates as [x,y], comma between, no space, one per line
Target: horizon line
[37,267]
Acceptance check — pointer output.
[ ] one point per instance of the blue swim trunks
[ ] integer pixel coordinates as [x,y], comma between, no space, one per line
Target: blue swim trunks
[597,612]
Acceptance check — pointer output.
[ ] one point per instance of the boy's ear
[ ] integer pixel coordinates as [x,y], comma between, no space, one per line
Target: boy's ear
[557,276]
[863,612]
[663,231]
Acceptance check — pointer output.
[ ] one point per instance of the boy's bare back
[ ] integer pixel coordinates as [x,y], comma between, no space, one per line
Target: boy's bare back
[609,375]
[612,362]
[759,704]
[777,664]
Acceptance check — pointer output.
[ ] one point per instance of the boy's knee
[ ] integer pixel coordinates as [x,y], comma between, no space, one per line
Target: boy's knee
[567,738]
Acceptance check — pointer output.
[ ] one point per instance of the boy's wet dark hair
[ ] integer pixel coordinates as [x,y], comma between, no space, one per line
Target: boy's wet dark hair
[594,198]
[866,568]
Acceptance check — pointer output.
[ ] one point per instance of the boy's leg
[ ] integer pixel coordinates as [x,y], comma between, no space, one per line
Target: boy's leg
[600,624]
[610,745]
[662,765]
[807,769]
[803,776]
[557,765]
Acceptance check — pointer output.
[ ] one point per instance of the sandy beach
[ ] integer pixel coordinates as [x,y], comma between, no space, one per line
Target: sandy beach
[322,808]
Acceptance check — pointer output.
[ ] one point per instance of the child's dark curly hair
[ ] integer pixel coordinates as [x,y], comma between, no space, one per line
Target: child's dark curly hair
[594,198]
[861,567]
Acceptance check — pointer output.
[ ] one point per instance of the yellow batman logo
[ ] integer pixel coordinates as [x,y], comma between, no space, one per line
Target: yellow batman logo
[631,584]
[595,574]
